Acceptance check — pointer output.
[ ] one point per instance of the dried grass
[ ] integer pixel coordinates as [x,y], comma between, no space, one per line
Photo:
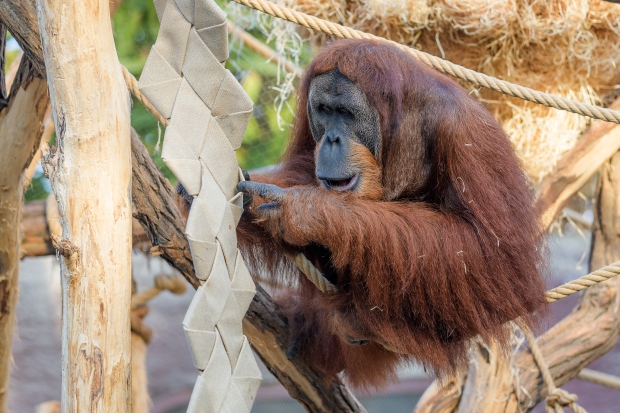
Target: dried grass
[565,47]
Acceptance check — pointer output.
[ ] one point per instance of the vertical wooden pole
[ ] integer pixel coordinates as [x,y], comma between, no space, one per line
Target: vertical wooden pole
[20,130]
[90,171]
[606,228]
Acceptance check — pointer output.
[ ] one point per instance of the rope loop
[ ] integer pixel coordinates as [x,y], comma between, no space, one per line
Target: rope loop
[557,399]
[560,398]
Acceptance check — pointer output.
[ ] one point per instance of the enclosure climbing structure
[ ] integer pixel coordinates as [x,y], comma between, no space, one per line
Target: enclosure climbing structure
[191,43]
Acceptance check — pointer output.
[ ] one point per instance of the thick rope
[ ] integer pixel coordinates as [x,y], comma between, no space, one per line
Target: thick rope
[443,66]
[313,274]
[132,84]
[557,399]
[584,282]
[598,377]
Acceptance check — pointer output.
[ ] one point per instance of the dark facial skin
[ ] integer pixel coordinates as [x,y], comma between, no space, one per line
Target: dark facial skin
[341,120]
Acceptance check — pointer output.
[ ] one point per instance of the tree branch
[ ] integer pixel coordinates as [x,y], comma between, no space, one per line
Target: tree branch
[4,99]
[596,146]
[20,17]
[266,328]
[20,131]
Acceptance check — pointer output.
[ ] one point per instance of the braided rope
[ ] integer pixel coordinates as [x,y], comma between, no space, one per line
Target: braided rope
[595,277]
[313,274]
[444,66]
[553,295]
[598,377]
[132,84]
[557,398]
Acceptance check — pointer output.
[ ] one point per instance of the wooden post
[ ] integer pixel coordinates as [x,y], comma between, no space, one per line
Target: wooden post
[90,171]
[606,228]
[20,130]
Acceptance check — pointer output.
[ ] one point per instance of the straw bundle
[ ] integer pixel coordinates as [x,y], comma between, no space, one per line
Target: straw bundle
[565,47]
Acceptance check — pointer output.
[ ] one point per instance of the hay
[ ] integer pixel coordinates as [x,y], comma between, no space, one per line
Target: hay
[566,47]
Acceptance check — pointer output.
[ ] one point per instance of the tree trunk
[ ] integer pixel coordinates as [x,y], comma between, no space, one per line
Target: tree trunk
[599,143]
[606,231]
[139,380]
[90,171]
[36,239]
[20,130]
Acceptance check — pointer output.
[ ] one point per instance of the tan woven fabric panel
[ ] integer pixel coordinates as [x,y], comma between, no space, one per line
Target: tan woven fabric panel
[186,81]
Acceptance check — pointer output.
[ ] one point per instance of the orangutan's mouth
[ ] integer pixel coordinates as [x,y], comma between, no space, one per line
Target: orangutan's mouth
[341,184]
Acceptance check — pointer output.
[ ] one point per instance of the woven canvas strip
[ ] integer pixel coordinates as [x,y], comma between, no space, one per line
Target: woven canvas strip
[186,81]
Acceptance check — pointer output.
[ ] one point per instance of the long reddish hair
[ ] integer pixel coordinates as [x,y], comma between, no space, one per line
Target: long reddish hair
[453,251]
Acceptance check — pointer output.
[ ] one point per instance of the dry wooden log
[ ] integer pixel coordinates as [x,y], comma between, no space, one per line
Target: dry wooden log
[90,172]
[442,397]
[20,132]
[20,17]
[36,240]
[139,378]
[575,168]
[493,385]
[606,229]
[140,337]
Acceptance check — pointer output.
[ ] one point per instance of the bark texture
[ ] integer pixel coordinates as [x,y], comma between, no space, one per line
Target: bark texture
[606,231]
[90,171]
[36,239]
[575,168]
[20,132]
[20,17]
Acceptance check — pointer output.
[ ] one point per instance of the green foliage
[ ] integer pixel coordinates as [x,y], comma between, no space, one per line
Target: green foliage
[39,188]
[265,139]
[135,27]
